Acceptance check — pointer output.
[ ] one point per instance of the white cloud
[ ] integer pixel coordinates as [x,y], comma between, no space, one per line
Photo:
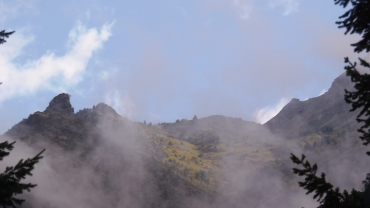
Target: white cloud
[121,102]
[323,92]
[41,73]
[289,6]
[265,114]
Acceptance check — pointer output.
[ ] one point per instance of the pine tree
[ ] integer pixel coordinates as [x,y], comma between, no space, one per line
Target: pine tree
[324,192]
[4,35]
[10,179]
[355,20]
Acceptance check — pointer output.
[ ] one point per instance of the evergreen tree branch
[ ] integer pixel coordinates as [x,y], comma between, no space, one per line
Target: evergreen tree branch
[356,20]
[360,98]
[324,192]
[4,35]
[5,147]
[10,180]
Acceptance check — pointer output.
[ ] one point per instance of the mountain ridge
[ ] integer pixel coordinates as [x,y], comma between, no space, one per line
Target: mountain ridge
[194,157]
[328,111]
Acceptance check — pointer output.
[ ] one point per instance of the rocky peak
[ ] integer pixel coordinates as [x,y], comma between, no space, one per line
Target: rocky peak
[96,112]
[298,118]
[294,100]
[340,83]
[60,104]
[105,109]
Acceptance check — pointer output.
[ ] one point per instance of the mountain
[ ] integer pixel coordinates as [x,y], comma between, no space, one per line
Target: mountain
[324,113]
[180,160]
[57,124]
[82,137]
[210,161]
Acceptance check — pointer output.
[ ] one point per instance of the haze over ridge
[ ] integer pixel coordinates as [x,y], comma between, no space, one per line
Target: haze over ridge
[161,165]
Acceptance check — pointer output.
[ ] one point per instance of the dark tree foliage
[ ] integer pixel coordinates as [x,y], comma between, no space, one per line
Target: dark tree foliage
[360,98]
[324,192]
[10,179]
[356,20]
[4,35]
[366,182]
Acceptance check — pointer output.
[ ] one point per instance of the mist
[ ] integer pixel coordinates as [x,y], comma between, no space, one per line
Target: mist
[125,164]
[238,68]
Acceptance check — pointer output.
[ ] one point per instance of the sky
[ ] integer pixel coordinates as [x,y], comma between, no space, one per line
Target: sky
[163,60]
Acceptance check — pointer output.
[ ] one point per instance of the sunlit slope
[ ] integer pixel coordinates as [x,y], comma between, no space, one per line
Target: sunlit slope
[204,150]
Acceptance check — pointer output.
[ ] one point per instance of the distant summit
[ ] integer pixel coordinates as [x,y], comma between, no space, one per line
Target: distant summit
[328,111]
[59,124]
[60,104]
[105,109]
[96,112]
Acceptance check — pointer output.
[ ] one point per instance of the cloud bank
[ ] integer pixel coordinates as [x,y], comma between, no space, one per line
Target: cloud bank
[39,74]
[265,114]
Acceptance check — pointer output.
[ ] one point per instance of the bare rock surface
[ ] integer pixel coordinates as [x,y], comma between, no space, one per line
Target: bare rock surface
[60,104]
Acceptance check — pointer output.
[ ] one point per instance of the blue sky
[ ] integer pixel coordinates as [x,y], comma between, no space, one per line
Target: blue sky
[165,60]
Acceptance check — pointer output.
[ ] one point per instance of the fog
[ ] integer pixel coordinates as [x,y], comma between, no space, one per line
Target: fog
[119,165]
[109,174]
[162,61]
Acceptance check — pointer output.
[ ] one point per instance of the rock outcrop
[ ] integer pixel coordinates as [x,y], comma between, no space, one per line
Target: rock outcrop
[59,124]
[60,104]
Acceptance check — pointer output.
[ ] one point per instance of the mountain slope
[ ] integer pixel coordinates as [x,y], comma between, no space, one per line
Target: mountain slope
[57,124]
[180,160]
[320,114]
[82,138]
[214,160]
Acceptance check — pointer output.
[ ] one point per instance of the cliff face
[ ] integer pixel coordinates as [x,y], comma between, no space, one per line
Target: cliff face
[322,113]
[60,104]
